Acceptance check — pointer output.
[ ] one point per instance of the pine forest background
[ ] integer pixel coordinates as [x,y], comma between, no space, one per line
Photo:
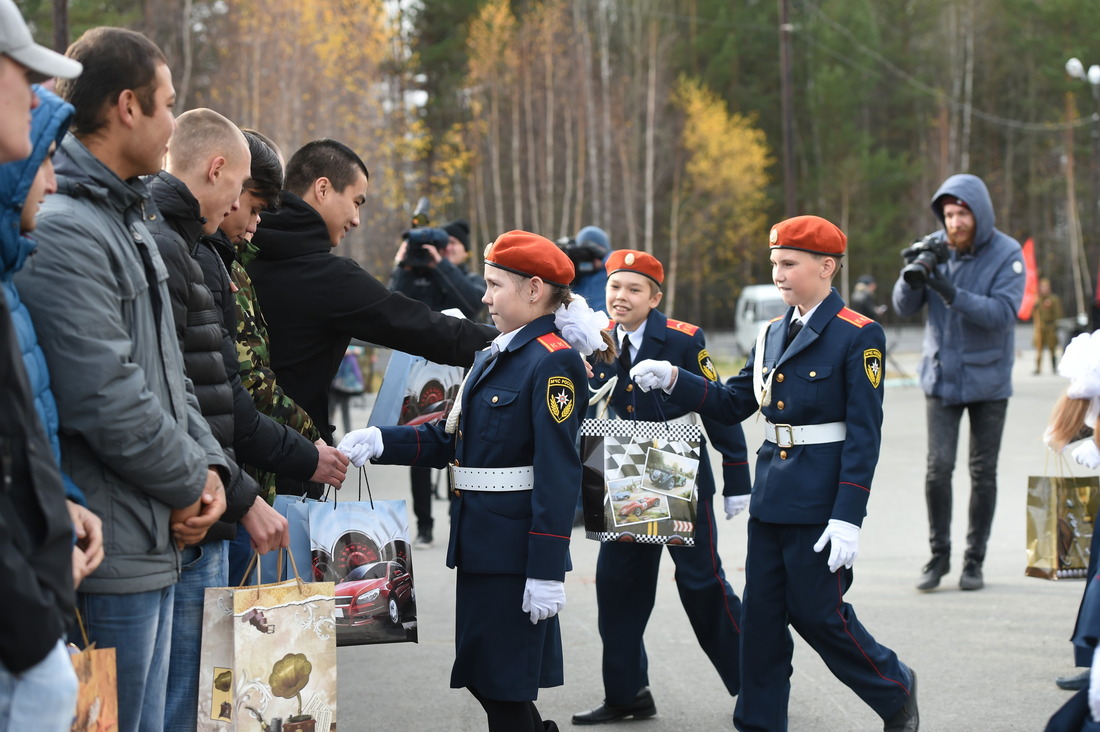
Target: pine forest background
[662,120]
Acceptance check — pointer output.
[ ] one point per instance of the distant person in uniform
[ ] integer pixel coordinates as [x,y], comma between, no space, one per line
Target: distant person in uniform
[511,443]
[1048,311]
[626,574]
[816,376]
[863,298]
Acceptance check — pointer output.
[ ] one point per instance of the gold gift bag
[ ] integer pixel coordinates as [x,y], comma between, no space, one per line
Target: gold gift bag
[268,658]
[97,675]
[1060,515]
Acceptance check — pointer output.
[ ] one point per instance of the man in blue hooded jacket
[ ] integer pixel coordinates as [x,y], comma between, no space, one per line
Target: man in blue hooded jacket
[973,289]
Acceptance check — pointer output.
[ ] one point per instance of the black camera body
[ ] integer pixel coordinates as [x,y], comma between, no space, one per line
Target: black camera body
[925,255]
[422,236]
[587,257]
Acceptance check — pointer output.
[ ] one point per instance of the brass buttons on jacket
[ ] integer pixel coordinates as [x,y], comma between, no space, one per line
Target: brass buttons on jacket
[779,378]
[630,387]
[813,374]
[601,374]
[779,405]
[764,370]
[496,399]
[782,454]
[629,408]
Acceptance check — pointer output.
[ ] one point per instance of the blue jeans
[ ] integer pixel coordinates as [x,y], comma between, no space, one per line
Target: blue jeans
[987,423]
[41,698]
[139,627]
[204,566]
[240,554]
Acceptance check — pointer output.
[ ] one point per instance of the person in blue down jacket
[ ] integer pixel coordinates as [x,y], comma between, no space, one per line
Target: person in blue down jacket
[973,287]
[23,186]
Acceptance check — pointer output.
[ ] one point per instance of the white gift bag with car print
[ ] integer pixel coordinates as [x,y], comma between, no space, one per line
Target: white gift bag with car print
[639,480]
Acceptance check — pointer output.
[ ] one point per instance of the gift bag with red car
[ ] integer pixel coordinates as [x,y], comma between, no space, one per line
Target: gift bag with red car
[639,480]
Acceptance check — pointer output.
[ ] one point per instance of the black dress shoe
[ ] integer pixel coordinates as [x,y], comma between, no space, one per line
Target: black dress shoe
[937,567]
[1073,683]
[906,719]
[641,708]
[971,577]
[549,726]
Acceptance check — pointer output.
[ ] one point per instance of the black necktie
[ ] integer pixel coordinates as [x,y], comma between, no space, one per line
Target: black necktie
[796,325]
[624,353]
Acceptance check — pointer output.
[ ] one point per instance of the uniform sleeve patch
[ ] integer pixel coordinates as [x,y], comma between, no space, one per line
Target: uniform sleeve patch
[560,398]
[872,365]
[682,326]
[853,317]
[553,342]
[706,365]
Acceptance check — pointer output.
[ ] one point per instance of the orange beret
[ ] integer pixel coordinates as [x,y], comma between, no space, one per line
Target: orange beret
[531,255]
[809,234]
[631,260]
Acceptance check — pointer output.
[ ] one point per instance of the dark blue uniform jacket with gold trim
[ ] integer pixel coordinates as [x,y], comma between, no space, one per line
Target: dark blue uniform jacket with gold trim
[520,409]
[831,372]
[684,345]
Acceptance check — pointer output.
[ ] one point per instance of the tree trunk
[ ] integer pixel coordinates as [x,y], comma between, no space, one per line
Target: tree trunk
[650,131]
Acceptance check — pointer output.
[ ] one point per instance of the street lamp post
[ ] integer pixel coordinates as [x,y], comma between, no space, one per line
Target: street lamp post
[1076,69]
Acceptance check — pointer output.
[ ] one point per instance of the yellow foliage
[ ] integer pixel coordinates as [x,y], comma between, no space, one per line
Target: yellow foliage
[725,175]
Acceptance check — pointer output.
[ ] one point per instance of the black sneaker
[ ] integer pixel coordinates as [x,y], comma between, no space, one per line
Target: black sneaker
[423,540]
[1076,682]
[937,567]
[971,578]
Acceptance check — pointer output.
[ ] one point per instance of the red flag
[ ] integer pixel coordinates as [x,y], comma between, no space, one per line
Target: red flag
[1031,282]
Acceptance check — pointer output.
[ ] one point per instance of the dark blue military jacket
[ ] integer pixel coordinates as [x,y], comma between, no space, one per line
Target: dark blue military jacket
[520,409]
[684,345]
[831,372]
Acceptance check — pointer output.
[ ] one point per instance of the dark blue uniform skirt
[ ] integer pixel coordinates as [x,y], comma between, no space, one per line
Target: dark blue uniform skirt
[497,649]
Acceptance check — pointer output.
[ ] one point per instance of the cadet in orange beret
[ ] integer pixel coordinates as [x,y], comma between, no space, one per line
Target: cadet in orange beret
[816,376]
[626,574]
[511,445]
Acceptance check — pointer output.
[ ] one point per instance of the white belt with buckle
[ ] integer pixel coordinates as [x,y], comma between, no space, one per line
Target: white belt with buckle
[787,435]
[498,480]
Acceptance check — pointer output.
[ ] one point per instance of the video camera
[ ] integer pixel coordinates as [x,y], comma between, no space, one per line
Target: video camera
[420,236]
[587,256]
[923,256]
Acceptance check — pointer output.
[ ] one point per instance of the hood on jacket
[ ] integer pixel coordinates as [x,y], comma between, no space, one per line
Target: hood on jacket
[295,229]
[49,122]
[971,189]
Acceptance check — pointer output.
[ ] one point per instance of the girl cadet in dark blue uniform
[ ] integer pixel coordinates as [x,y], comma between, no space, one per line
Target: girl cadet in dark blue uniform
[516,476]
[626,574]
[816,376]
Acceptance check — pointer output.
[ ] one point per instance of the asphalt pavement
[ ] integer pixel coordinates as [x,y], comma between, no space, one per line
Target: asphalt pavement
[986,660]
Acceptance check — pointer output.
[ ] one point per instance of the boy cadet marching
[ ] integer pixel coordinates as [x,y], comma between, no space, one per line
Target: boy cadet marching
[626,574]
[816,376]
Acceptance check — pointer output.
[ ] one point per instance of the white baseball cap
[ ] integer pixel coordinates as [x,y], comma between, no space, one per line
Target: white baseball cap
[16,42]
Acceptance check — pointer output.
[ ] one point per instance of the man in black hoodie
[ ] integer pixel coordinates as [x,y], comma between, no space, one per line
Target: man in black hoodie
[315,302]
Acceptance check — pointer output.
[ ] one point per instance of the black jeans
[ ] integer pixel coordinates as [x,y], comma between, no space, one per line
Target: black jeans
[421,479]
[987,422]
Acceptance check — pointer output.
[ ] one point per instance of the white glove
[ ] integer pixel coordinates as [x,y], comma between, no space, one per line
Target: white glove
[581,326]
[844,538]
[362,445]
[1094,687]
[735,505]
[1087,453]
[650,374]
[543,599]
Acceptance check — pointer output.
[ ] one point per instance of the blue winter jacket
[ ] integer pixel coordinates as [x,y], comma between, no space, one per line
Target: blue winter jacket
[969,345]
[48,125]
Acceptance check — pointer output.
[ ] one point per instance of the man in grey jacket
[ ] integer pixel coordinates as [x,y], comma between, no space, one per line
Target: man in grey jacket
[132,434]
[971,276]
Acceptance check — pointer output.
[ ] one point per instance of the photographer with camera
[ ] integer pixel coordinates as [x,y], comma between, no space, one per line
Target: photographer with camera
[430,266]
[971,276]
[588,251]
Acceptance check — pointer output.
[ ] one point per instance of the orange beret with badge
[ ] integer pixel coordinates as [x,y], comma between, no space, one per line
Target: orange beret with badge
[809,234]
[631,260]
[531,255]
